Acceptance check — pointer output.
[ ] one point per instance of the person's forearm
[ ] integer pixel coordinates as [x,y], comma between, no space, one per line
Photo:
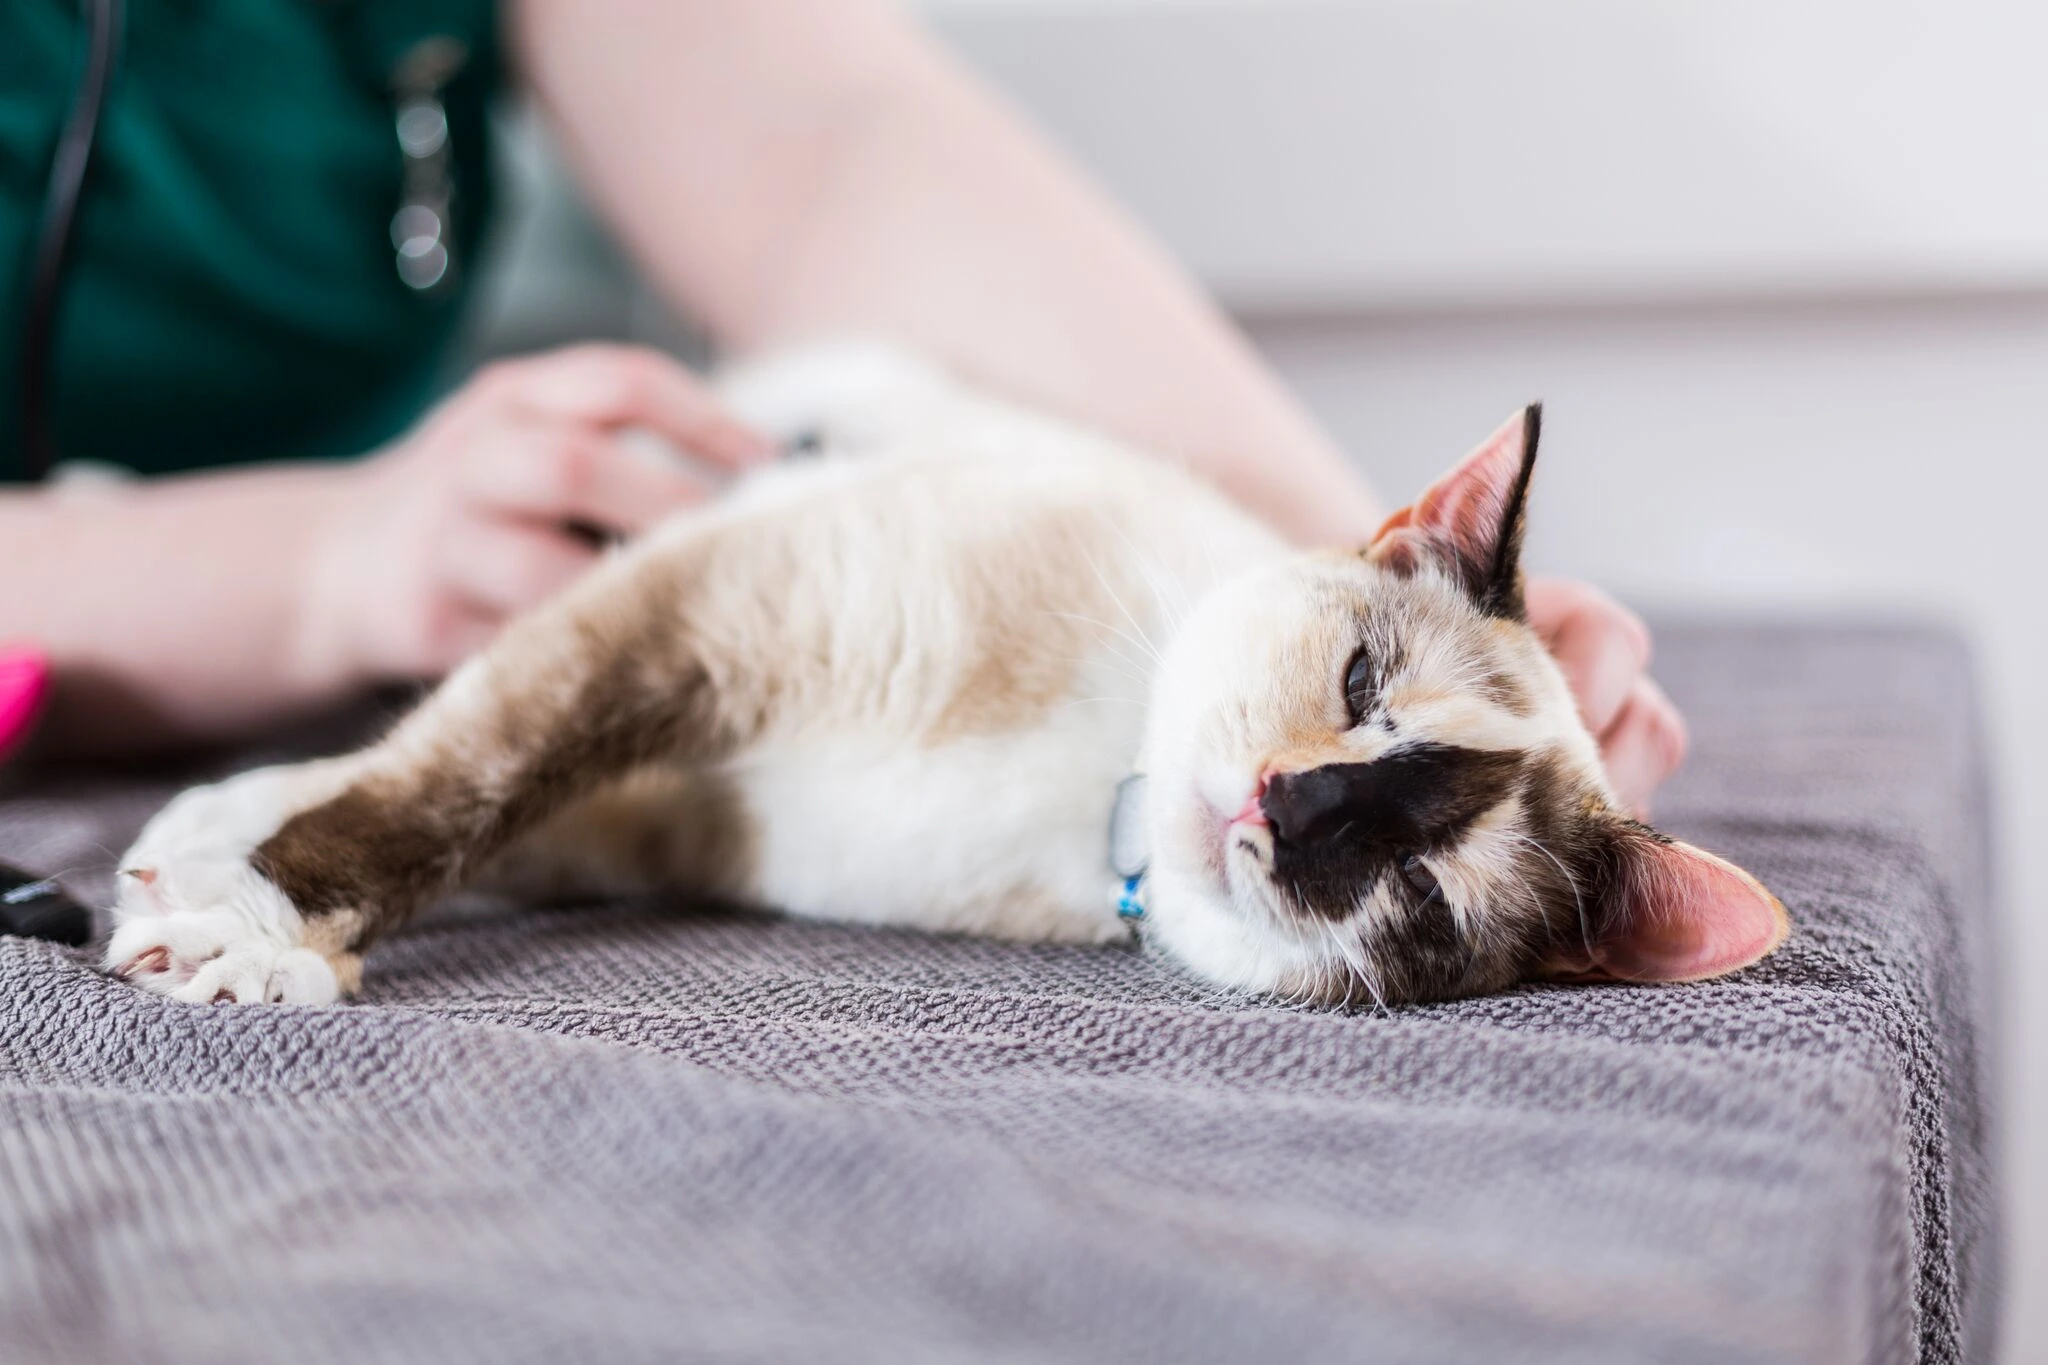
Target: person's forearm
[989,252]
[888,194]
[169,608]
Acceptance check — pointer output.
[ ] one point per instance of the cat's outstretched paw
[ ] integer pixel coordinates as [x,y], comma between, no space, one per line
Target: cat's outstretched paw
[194,918]
[215,932]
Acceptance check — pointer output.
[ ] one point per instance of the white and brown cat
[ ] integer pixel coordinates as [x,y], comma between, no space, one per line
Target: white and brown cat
[901,683]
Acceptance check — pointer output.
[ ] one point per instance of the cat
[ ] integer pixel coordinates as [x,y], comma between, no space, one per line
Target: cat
[908,681]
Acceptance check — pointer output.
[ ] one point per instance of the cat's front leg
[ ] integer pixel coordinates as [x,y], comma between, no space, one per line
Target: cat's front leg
[259,879]
[195,921]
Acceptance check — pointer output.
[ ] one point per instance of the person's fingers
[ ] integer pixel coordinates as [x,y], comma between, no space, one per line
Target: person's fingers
[1554,602]
[1601,646]
[618,386]
[1645,745]
[498,567]
[456,630]
[561,472]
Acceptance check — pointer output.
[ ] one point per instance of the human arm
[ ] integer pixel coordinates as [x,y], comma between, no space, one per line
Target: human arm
[208,605]
[166,609]
[787,169]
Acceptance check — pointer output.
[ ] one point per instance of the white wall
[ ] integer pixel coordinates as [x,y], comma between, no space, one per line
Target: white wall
[1342,154]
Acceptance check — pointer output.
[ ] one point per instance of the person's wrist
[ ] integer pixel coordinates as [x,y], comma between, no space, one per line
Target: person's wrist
[329,651]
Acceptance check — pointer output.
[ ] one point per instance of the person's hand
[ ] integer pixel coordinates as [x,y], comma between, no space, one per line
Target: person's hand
[489,505]
[1604,650]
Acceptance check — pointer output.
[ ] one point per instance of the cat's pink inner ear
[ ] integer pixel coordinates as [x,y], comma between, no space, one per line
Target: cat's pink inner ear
[1687,915]
[1465,508]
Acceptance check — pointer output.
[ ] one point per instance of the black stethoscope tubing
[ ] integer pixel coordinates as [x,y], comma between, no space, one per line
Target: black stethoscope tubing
[70,167]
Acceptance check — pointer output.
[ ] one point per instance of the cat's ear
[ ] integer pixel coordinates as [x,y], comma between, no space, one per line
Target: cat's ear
[1469,522]
[1673,913]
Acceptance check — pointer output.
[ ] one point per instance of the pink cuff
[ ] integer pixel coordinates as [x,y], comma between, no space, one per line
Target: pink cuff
[24,682]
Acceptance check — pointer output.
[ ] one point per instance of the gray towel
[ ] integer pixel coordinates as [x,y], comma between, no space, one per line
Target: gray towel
[642,1132]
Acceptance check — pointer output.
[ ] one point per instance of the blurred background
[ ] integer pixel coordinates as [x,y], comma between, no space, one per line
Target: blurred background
[1780,273]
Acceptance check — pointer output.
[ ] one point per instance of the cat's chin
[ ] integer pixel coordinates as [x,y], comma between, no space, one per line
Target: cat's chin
[1204,923]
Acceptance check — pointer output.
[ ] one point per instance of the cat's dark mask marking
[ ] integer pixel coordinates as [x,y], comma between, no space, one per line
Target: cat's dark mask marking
[1413,797]
[1338,829]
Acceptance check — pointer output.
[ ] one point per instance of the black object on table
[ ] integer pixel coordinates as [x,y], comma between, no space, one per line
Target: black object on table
[36,907]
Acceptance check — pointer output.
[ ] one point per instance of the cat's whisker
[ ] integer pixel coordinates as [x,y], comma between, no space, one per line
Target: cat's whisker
[1084,701]
[1168,591]
[1208,544]
[1117,647]
[1578,901]
[1142,682]
[1354,956]
[1379,997]
[1350,969]
[113,860]
[1145,560]
[1114,630]
[1124,607]
[1114,643]
[1122,665]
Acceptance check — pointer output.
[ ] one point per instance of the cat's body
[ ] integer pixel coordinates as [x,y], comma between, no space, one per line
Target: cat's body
[962,602]
[900,683]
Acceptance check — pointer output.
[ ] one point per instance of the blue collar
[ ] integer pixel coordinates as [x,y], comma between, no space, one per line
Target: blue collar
[1130,851]
[1130,899]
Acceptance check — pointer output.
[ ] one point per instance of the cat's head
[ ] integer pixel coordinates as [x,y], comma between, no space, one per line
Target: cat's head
[1368,780]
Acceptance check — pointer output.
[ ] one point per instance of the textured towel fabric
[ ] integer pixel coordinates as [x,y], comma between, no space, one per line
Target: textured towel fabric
[640,1133]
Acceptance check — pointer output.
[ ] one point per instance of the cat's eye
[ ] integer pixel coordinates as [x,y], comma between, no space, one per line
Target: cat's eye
[1420,879]
[1358,686]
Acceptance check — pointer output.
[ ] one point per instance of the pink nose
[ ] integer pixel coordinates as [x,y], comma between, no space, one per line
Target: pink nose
[1253,812]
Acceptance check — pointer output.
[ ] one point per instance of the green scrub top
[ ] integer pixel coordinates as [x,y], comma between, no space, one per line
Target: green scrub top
[233,291]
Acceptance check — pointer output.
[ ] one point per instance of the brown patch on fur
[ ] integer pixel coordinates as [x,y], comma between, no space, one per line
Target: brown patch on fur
[1497,685]
[655,828]
[1498,649]
[1021,656]
[348,971]
[331,934]
[1000,691]
[572,697]
[1305,749]
[1027,912]
[1501,687]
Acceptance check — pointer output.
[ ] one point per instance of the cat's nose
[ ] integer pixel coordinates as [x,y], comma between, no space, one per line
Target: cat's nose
[1306,807]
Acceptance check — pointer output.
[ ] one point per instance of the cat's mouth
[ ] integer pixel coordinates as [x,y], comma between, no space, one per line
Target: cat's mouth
[1236,842]
[1242,831]
[1248,875]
